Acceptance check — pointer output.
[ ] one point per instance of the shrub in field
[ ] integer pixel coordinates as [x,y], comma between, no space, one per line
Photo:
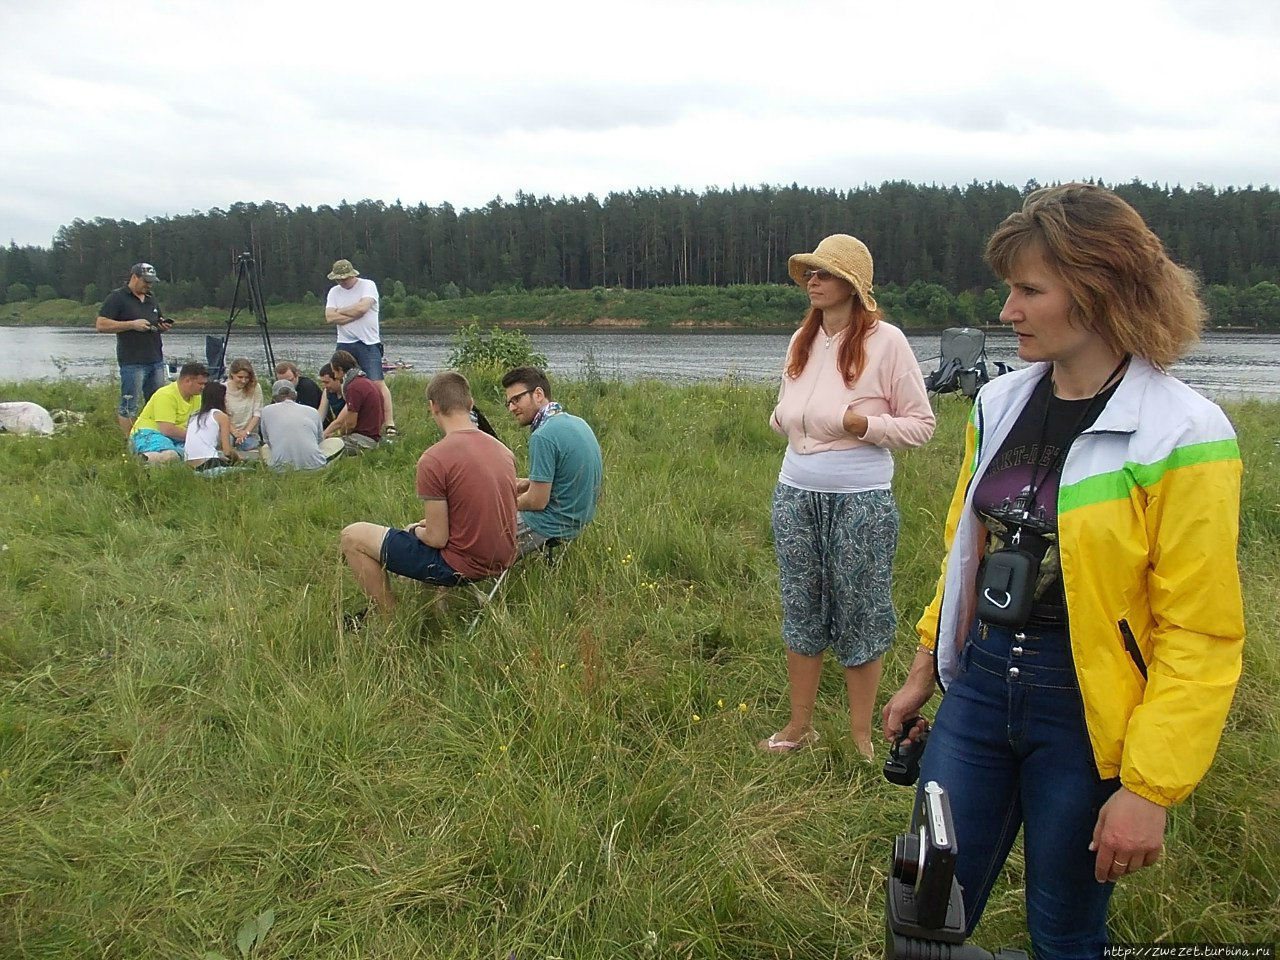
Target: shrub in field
[492,350]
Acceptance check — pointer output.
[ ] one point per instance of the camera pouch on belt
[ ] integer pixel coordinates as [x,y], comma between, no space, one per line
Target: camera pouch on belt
[1006,587]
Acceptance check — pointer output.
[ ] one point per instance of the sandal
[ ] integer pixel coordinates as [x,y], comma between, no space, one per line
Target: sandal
[776,745]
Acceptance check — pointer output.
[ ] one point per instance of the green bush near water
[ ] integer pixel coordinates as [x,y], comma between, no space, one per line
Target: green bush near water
[189,737]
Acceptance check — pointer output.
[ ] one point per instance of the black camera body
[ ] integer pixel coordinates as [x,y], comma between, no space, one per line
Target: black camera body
[924,896]
[924,905]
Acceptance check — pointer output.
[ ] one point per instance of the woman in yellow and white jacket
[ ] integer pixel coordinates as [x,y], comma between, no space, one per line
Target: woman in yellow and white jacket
[1102,706]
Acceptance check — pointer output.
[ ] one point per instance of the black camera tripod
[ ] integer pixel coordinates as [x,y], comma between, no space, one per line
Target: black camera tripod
[248,281]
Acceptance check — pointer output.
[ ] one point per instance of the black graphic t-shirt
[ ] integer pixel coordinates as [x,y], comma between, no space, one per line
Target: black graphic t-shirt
[1033,453]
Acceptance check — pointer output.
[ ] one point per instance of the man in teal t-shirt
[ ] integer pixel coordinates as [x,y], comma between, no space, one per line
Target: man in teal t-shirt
[559,496]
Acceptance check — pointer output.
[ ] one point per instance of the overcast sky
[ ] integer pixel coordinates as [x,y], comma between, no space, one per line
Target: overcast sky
[139,109]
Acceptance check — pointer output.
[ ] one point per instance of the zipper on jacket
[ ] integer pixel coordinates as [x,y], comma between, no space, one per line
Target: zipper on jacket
[1131,645]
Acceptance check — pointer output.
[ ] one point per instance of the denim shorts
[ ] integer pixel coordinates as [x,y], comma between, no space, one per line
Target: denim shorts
[138,381]
[368,356]
[404,554]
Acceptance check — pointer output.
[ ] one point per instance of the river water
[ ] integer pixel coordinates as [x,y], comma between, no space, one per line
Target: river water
[1224,366]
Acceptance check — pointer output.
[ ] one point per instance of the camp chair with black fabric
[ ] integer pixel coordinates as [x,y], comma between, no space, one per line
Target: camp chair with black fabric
[962,363]
[215,355]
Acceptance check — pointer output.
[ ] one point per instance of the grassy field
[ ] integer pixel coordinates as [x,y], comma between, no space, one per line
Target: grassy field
[190,738]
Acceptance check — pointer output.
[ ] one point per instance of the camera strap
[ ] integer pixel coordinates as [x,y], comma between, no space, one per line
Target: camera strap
[1007,577]
[1033,489]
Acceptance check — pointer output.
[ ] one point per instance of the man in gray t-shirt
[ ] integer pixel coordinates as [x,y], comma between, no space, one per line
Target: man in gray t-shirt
[293,432]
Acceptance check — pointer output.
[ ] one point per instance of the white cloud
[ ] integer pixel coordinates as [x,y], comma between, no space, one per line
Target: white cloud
[149,108]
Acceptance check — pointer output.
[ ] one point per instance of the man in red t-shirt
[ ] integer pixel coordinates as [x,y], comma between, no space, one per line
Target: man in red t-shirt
[360,422]
[467,481]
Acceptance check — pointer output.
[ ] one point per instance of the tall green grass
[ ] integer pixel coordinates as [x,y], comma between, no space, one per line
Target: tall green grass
[189,736]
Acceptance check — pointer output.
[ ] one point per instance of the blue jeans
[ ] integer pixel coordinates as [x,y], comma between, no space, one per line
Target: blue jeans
[138,381]
[1010,746]
[368,356]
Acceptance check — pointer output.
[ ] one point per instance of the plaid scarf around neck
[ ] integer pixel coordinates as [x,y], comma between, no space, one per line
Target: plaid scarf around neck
[541,417]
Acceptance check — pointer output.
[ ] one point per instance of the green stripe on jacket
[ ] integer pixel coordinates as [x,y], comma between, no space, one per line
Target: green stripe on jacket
[1116,484]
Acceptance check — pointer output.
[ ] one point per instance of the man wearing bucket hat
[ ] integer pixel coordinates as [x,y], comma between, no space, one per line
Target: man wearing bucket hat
[352,307]
[132,314]
[851,392]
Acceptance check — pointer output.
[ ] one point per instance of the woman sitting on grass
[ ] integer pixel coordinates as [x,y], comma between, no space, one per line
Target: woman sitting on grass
[244,403]
[1087,628]
[851,392]
[209,442]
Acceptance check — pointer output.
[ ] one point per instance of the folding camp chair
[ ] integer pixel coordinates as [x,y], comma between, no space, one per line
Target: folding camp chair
[963,363]
[484,598]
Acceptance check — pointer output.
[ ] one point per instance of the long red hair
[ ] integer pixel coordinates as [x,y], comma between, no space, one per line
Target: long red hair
[853,349]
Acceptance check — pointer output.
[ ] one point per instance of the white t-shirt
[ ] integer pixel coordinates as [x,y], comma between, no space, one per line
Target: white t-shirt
[366,328]
[202,436]
[838,471]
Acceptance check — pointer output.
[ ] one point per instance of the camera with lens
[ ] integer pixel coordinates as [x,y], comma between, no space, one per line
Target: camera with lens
[924,905]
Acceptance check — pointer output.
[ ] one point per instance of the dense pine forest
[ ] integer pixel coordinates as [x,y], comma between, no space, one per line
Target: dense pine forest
[922,234]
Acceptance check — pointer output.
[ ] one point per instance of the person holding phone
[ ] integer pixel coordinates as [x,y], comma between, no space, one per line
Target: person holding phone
[133,315]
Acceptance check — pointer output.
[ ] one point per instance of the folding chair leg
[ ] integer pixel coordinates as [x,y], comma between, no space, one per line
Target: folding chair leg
[483,600]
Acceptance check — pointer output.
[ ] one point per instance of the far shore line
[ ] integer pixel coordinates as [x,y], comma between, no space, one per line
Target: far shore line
[600,325]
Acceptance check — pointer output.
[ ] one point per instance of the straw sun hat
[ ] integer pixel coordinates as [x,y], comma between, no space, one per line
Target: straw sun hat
[845,256]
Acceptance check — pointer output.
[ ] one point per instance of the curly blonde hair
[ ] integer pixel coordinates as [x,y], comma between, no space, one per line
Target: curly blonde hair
[1123,285]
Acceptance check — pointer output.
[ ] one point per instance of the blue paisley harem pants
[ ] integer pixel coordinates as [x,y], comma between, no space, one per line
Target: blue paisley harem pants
[835,563]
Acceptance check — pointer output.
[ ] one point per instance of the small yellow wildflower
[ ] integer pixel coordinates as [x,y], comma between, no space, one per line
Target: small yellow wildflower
[696,718]
[563,665]
[742,708]
[503,748]
[720,704]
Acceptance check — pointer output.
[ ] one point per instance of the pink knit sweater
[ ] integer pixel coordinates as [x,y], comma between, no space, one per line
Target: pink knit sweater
[890,393]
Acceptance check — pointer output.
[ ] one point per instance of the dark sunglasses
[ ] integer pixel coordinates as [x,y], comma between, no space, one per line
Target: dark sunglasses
[820,274]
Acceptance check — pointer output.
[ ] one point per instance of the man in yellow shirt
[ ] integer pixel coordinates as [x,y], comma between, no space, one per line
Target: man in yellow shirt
[161,428]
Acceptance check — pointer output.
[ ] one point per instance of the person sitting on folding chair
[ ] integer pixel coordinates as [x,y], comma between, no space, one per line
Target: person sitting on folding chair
[467,481]
[566,469]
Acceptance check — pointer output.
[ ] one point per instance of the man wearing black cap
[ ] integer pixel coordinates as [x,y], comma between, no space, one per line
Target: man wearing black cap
[133,315]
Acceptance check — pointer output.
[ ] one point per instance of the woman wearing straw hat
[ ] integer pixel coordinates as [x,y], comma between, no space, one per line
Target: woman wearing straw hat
[851,393]
[1087,628]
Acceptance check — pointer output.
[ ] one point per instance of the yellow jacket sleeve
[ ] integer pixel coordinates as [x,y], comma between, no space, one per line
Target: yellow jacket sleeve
[1197,638]
[927,625]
